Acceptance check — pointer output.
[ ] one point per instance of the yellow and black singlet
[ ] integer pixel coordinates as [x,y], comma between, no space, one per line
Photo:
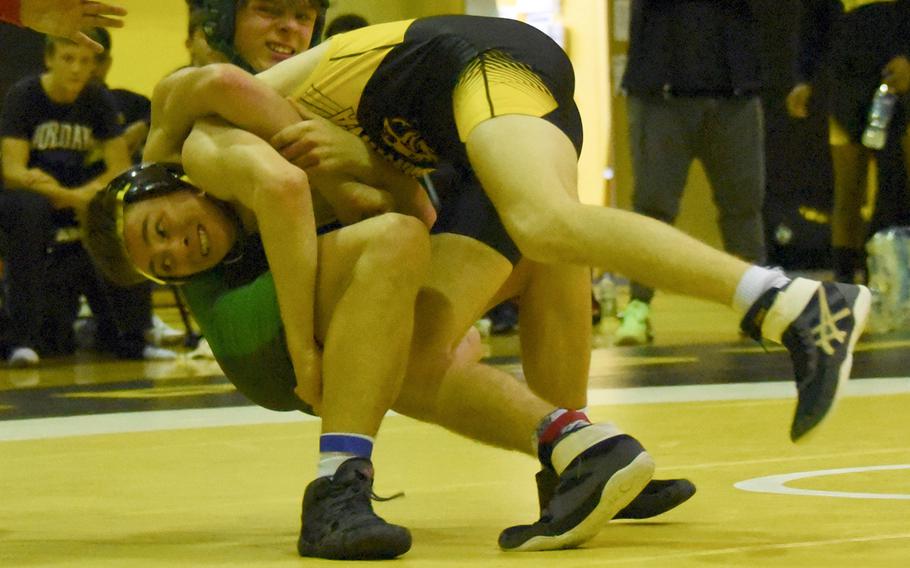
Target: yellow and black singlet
[415,89]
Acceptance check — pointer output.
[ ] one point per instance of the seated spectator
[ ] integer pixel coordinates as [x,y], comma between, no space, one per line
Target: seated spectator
[50,124]
[134,113]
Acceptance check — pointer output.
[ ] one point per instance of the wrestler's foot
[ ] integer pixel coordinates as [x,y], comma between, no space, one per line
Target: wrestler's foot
[338,521]
[819,324]
[600,471]
[658,496]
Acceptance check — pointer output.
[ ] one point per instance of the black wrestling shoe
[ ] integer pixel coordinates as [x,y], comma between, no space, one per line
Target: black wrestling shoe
[338,521]
[658,496]
[600,471]
[819,324]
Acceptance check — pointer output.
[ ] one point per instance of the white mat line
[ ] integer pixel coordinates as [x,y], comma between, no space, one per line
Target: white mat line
[149,421]
[736,391]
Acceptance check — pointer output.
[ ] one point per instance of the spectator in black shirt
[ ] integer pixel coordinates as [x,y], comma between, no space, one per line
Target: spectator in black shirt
[50,125]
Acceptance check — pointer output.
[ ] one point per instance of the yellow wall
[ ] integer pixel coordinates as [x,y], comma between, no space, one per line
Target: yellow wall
[150,45]
[378,11]
[585,23]
[586,44]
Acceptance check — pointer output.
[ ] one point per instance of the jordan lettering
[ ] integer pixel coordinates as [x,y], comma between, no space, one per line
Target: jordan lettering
[63,136]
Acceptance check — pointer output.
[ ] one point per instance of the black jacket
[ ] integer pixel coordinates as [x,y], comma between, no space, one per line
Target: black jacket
[693,48]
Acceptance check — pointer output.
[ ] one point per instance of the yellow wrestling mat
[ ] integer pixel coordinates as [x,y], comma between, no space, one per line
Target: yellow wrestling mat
[228,495]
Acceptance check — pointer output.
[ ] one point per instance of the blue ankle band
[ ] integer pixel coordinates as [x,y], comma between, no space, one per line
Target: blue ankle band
[355,444]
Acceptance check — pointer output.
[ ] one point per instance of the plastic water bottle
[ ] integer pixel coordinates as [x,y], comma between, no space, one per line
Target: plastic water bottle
[889,279]
[880,113]
[604,289]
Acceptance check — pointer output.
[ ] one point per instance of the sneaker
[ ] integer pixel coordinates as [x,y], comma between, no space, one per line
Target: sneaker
[819,324]
[23,357]
[202,351]
[338,521]
[658,496]
[635,327]
[162,334]
[152,353]
[600,470]
[84,332]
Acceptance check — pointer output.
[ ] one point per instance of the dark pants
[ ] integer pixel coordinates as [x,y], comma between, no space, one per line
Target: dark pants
[727,135]
[45,279]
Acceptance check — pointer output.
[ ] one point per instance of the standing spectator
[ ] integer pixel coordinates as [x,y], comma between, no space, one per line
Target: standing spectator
[64,18]
[50,125]
[693,81]
[857,45]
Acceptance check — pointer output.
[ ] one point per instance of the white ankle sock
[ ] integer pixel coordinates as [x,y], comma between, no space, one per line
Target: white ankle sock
[329,462]
[756,281]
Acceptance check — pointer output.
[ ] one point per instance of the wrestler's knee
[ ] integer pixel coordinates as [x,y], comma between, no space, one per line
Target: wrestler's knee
[541,233]
[428,363]
[399,245]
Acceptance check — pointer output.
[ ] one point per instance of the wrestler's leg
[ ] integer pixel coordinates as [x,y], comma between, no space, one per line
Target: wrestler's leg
[554,310]
[464,274]
[528,168]
[555,328]
[848,231]
[454,391]
[368,280]
[371,274]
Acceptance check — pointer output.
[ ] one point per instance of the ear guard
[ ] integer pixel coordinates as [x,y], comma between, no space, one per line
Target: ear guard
[219,25]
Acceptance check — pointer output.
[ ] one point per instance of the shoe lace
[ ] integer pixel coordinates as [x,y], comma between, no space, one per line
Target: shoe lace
[356,495]
[381,499]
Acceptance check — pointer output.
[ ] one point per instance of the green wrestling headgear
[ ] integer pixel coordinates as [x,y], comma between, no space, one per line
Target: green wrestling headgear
[103,225]
[218,25]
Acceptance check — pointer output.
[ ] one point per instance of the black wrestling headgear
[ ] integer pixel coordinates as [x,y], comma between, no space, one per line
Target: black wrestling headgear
[218,25]
[148,180]
[138,183]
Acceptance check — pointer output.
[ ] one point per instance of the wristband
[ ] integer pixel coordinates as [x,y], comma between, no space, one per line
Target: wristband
[9,12]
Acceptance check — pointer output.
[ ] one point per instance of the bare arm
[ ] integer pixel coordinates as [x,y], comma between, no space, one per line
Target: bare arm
[116,160]
[17,174]
[219,89]
[235,165]
[135,135]
[897,74]
[327,151]
[229,92]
